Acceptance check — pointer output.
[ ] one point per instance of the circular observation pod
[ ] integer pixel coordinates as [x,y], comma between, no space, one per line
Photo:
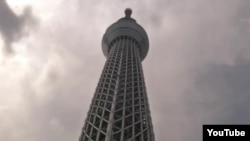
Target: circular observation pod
[126,26]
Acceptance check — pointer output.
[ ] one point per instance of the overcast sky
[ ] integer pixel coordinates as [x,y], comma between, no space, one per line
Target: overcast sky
[197,70]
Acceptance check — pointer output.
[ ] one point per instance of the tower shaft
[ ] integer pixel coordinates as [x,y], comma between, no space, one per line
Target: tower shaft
[119,110]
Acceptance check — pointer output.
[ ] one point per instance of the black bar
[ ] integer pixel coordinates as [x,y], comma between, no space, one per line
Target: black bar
[226,132]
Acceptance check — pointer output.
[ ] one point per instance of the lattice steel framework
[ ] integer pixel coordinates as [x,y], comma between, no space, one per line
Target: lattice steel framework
[120,109]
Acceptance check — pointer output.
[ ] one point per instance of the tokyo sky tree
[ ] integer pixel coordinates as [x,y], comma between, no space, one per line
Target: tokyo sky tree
[119,110]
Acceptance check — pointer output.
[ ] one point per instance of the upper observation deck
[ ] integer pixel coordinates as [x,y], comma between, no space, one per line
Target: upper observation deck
[126,26]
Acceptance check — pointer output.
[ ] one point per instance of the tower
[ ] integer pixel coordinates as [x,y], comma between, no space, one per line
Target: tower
[119,110]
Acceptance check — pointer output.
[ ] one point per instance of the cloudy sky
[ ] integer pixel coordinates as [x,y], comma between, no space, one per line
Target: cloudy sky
[197,70]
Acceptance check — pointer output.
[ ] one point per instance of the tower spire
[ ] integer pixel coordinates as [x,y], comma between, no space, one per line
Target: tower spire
[128,12]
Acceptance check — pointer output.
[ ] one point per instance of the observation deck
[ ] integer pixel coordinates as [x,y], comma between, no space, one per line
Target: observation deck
[127,27]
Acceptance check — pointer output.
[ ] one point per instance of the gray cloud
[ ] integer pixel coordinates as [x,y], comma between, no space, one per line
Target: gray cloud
[194,38]
[196,71]
[12,26]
